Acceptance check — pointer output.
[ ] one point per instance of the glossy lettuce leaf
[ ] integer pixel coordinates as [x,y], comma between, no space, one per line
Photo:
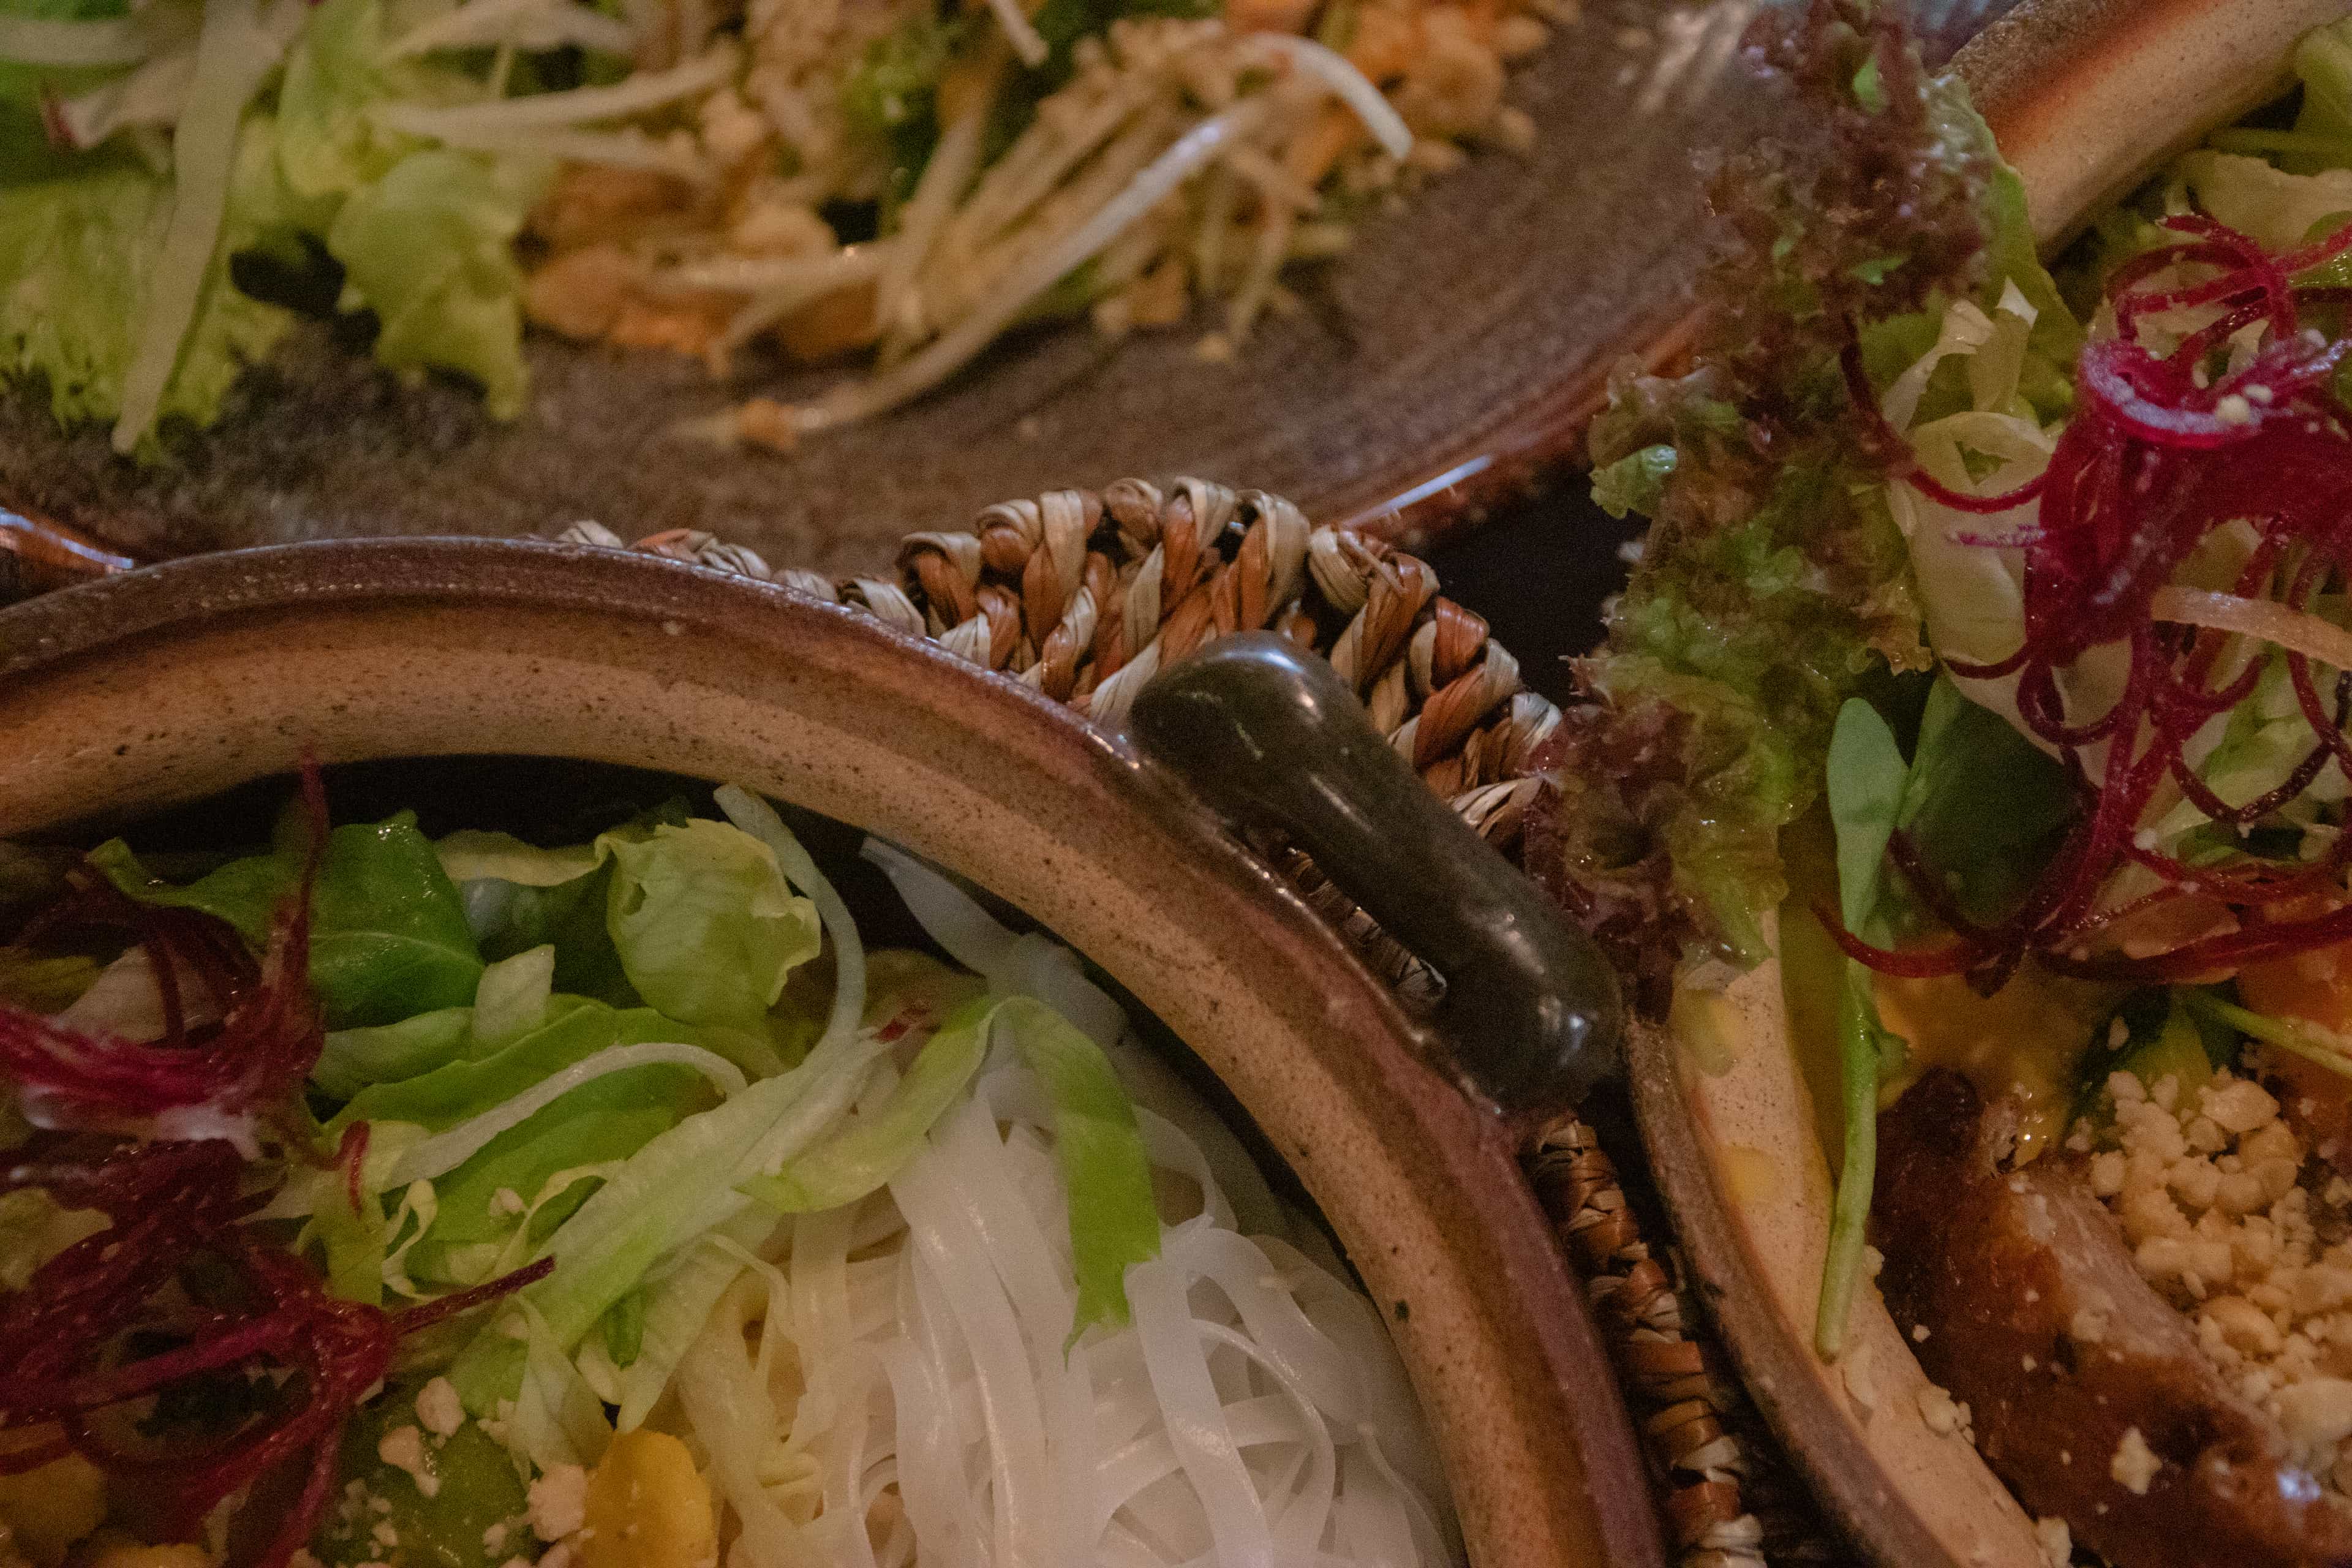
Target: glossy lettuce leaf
[388,938]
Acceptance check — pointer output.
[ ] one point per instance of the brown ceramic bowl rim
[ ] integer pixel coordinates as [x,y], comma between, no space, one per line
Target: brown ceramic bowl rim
[1552,1334]
[2040,75]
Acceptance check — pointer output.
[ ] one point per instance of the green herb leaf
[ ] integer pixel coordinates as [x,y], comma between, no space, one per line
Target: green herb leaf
[1632,483]
[388,939]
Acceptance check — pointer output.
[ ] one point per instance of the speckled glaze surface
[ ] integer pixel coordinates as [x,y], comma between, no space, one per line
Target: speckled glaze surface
[2086,96]
[1452,355]
[167,685]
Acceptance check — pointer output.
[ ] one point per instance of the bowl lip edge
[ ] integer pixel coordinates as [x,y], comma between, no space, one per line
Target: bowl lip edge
[97,619]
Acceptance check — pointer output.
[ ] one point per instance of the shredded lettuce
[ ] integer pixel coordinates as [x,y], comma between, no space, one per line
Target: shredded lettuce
[491,1075]
[862,1155]
[681,1184]
[2251,194]
[1113,1223]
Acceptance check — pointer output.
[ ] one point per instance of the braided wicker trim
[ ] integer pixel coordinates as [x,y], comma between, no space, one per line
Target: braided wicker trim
[1087,595]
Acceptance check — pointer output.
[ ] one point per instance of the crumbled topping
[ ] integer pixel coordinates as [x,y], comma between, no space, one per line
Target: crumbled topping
[1944,1415]
[438,1409]
[2057,1543]
[2134,1464]
[402,1448]
[2208,1187]
[1861,1379]
[558,1502]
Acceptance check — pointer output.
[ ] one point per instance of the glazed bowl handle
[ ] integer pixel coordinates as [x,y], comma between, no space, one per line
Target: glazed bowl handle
[1268,734]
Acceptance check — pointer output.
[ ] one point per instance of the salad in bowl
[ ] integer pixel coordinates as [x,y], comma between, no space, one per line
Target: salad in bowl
[375,1197]
[1966,778]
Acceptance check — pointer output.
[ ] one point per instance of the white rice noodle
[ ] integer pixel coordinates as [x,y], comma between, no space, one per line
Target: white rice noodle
[1253,1413]
[557,111]
[238,43]
[1027,42]
[523,24]
[1348,84]
[1028,964]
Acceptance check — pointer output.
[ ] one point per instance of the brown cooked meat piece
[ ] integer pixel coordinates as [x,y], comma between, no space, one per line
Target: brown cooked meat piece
[2036,1318]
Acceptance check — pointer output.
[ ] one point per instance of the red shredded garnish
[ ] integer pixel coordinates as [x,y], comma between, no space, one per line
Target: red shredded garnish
[217,1080]
[176,1261]
[266,1315]
[2164,448]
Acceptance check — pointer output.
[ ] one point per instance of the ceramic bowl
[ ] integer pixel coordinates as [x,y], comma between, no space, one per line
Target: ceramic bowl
[121,698]
[2086,96]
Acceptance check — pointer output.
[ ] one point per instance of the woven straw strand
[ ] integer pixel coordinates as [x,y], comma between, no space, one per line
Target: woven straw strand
[1086,597]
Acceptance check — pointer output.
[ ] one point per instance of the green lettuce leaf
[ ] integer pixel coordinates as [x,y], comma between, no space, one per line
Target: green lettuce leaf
[707,928]
[329,146]
[1981,802]
[1113,1220]
[1633,482]
[1775,584]
[429,248]
[351,1059]
[77,238]
[1866,775]
[666,1196]
[519,897]
[388,938]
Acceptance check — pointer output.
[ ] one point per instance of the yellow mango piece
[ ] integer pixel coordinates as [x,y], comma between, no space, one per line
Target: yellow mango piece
[49,1509]
[132,1554]
[647,1507]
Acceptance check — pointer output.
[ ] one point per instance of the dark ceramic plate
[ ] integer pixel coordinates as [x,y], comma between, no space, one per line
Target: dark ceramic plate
[1454,352]
[1472,327]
